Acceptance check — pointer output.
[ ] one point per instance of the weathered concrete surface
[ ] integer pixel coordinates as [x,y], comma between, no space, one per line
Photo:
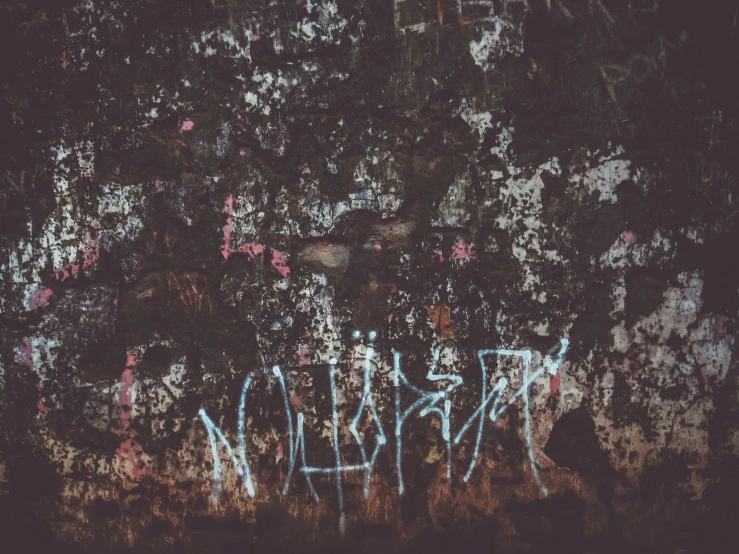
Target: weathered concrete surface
[195,192]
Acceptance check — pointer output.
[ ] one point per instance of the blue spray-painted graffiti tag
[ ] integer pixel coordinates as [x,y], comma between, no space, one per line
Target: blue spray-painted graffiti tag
[493,403]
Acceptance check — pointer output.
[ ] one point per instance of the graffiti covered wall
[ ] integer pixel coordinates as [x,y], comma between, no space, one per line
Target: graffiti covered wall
[372,275]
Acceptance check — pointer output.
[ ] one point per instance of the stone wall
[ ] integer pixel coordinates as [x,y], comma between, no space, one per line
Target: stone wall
[398,275]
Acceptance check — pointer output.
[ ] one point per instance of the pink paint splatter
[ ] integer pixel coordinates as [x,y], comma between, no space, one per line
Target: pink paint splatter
[187,125]
[41,406]
[40,298]
[228,210]
[719,332]
[279,448]
[252,249]
[296,401]
[125,398]
[628,236]
[67,271]
[353,361]
[554,384]
[280,263]
[25,353]
[441,256]
[91,254]
[463,251]
[504,421]
[304,355]
[129,452]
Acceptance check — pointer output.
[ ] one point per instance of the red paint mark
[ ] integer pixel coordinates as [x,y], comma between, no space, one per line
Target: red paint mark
[255,37]
[719,332]
[253,249]
[353,365]
[306,171]
[129,451]
[41,406]
[554,385]
[25,353]
[228,210]
[125,398]
[441,256]
[463,251]
[115,302]
[296,401]
[280,263]
[376,244]
[90,256]
[504,422]
[279,448]
[40,298]
[187,125]
[628,236]
[304,355]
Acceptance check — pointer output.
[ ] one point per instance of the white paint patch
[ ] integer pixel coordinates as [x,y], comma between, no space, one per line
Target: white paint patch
[120,212]
[229,45]
[479,122]
[270,90]
[329,26]
[379,183]
[520,215]
[602,179]
[500,36]
[453,210]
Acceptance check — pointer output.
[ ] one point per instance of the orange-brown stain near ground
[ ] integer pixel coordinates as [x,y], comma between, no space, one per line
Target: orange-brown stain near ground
[441,320]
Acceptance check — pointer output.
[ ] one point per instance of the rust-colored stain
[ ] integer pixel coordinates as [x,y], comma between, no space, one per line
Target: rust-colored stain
[441,319]
[192,291]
